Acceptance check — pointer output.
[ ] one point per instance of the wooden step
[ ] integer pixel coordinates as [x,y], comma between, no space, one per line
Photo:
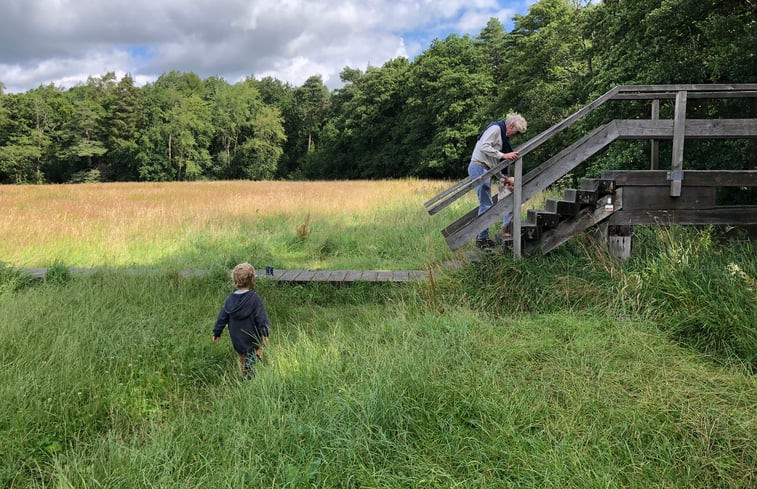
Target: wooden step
[566,208]
[530,232]
[598,185]
[587,197]
[542,218]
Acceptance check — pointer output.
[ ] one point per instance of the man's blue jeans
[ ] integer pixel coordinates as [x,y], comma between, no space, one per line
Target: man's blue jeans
[484,193]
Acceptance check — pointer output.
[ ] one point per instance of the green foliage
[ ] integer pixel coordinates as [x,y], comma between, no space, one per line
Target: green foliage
[703,293]
[58,274]
[698,290]
[13,280]
[405,118]
[112,380]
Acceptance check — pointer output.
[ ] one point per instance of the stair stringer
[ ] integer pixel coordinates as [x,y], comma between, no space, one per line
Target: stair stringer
[573,226]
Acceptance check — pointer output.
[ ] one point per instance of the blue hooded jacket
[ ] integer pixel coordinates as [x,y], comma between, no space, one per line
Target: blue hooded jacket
[247,320]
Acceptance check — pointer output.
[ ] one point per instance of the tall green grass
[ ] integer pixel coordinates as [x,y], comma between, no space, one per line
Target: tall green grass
[112,381]
[570,370]
[695,284]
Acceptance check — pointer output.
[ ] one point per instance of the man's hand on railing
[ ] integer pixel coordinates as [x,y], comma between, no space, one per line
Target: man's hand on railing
[510,156]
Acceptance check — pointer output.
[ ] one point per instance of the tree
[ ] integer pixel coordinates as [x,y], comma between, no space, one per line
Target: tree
[124,123]
[677,41]
[259,155]
[282,95]
[232,108]
[248,134]
[449,88]
[175,144]
[82,143]
[32,132]
[312,100]
[362,138]
[21,158]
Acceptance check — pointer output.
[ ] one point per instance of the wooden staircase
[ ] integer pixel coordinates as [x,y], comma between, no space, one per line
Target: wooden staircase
[597,200]
[578,209]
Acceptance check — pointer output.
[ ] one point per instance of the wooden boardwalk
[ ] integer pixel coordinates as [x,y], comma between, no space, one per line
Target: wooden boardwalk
[286,276]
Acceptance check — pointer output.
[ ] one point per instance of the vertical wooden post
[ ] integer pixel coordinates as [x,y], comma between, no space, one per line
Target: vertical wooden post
[655,143]
[517,196]
[679,125]
[619,241]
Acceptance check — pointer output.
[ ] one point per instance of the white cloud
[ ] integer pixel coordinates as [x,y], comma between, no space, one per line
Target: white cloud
[65,41]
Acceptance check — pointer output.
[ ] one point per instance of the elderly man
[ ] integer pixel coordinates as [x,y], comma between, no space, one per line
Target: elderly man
[493,146]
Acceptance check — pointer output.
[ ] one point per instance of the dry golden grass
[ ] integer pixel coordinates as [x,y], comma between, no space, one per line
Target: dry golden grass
[142,223]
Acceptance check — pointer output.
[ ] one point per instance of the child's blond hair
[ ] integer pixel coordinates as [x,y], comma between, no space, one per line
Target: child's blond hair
[243,276]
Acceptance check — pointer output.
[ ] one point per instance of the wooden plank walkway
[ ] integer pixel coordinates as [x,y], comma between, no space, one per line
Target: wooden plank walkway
[286,276]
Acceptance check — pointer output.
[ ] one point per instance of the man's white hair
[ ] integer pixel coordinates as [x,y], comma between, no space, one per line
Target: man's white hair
[516,121]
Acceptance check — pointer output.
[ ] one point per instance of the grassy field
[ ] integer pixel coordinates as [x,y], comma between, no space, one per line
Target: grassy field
[565,371]
[307,225]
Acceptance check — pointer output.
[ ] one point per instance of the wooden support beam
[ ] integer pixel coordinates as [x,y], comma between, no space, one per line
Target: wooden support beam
[660,198]
[517,200]
[619,240]
[695,128]
[679,125]
[719,215]
[655,143]
[693,178]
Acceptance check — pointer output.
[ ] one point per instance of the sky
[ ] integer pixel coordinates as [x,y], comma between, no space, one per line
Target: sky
[64,42]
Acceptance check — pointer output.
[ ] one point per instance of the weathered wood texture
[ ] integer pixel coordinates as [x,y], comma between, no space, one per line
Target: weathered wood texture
[654,144]
[721,215]
[646,199]
[660,198]
[679,125]
[517,199]
[466,227]
[694,178]
[585,219]
[694,128]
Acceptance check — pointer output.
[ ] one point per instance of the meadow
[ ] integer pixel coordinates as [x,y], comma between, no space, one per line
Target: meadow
[203,225]
[565,371]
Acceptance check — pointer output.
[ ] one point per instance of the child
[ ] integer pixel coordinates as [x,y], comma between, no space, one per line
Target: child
[248,323]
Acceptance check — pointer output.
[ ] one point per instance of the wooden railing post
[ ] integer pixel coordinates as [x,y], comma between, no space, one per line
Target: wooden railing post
[679,126]
[517,197]
[655,143]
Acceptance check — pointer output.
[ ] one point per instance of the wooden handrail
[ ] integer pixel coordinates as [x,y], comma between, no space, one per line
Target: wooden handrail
[450,195]
[622,92]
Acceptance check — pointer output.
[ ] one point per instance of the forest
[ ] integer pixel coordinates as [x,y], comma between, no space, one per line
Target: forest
[406,118]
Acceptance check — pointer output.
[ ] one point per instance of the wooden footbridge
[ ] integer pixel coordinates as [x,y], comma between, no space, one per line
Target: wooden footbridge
[619,199]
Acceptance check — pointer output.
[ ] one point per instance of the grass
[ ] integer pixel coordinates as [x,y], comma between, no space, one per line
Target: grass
[206,225]
[350,225]
[570,370]
[112,381]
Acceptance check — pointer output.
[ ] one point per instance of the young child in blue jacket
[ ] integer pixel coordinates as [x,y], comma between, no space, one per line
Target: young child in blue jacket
[246,316]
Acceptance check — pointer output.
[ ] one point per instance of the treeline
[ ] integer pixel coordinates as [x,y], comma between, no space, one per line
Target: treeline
[405,118]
